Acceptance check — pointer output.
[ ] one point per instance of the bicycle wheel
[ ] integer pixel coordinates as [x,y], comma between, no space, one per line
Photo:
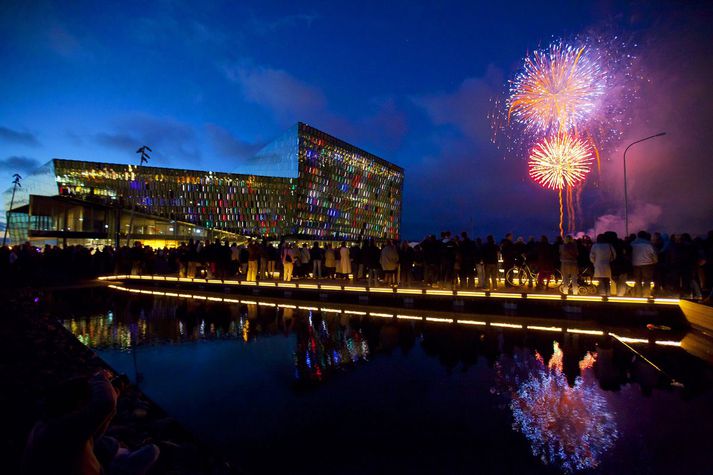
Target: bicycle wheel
[550,280]
[516,276]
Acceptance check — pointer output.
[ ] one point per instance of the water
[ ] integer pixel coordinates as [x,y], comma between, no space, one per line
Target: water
[293,391]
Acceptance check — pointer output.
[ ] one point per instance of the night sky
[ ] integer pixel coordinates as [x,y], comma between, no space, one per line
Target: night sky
[206,85]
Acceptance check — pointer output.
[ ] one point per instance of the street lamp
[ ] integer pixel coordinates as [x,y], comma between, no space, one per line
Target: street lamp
[144,158]
[15,185]
[626,196]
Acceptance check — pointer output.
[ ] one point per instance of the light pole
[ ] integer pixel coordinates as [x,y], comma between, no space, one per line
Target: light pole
[15,185]
[626,196]
[143,159]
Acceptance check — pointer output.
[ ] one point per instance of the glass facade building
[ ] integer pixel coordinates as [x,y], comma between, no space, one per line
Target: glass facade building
[306,185]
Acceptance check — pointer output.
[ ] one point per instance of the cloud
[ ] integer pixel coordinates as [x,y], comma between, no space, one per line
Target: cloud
[17,137]
[266,26]
[227,145]
[467,107]
[287,97]
[62,41]
[18,164]
[172,141]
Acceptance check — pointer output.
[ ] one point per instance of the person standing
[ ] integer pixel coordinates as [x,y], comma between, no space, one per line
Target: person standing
[643,259]
[253,259]
[345,263]
[288,259]
[406,258]
[568,261]
[330,261]
[389,261]
[602,255]
[507,251]
[490,260]
[315,255]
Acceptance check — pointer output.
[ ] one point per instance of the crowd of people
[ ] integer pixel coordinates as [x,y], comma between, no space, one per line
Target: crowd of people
[659,264]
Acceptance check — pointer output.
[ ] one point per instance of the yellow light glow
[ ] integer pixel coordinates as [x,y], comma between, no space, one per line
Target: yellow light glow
[468,293]
[584,298]
[314,309]
[267,284]
[266,304]
[248,302]
[585,332]
[231,282]
[442,320]
[354,289]
[354,312]
[286,284]
[307,286]
[185,296]
[438,292]
[286,306]
[381,290]
[668,343]
[248,283]
[215,299]
[628,299]
[408,317]
[231,300]
[199,297]
[330,287]
[505,295]
[409,291]
[505,325]
[383,315]
[471,322]
[543,297]
[330,310]
[544,329]
[667,301]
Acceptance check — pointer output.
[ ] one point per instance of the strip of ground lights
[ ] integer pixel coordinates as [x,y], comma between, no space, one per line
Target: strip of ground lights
[398,291]
[398,316]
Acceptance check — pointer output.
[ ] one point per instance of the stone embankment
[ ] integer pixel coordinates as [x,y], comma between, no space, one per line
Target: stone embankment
[37,352]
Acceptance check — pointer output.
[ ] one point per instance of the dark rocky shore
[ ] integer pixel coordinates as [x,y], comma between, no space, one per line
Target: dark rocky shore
[37,353]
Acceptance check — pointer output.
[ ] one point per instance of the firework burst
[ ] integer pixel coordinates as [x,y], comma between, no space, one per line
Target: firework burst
[558,89]
[560,161]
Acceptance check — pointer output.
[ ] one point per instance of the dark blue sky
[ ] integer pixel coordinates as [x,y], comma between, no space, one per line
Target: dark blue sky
[204,86]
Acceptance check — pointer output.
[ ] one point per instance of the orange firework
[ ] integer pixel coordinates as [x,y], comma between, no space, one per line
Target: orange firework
[561,162]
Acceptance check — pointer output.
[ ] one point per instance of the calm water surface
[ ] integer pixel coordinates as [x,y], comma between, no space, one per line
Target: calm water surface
[295,391]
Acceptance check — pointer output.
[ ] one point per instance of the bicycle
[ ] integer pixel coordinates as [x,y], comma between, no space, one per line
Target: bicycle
[521,275]
[583,283]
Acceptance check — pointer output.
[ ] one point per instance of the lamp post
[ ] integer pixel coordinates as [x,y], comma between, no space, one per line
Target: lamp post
[143,159]
[626,196]
[15,185]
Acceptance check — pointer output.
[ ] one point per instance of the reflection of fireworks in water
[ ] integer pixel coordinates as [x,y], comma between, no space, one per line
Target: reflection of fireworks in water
[558,89]
[567,426]
[561,162]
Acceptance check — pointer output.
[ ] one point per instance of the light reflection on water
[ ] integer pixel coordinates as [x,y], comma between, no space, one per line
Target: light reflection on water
[552,390]
[568,426]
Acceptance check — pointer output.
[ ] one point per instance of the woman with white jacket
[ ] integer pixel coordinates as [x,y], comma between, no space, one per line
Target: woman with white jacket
[602,255]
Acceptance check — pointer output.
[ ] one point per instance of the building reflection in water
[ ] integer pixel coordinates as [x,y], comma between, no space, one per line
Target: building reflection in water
[325,345]
[566,425]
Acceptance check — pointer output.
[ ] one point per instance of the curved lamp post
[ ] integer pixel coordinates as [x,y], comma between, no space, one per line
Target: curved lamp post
[626,196]
[15,185]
